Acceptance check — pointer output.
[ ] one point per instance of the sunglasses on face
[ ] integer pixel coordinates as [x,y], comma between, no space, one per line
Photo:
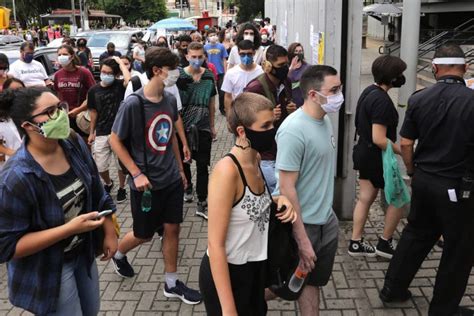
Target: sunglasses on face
[52,112]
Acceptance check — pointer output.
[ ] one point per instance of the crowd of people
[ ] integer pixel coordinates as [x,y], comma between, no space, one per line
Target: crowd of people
[153,113]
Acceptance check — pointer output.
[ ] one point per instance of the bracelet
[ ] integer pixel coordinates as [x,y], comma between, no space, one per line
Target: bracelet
[137,175]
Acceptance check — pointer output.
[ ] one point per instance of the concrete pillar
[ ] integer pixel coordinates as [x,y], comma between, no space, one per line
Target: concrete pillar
[345,189]
[409,51]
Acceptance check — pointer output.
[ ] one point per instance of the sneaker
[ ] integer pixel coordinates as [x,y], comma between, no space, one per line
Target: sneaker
[121,195]
[123,268]
[184,293]
[202,209]
[385,248]
[188,196]
[361,248]
[387,295]
[160,231]
[108,187]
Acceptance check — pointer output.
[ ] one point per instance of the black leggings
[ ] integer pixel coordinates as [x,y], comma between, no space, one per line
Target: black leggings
[248,287]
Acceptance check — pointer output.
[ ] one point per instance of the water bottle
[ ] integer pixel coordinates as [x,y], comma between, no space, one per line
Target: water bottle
[146,201]
[297,280]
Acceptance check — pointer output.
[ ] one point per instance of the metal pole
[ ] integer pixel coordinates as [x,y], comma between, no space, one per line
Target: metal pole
[409,51]
[221,11]
[80,14]
[181,8]
[73,17]
[14,10]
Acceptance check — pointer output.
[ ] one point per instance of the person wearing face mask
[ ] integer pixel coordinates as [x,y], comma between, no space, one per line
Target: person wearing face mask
[71,83]
[237,78]
[269,27]
[225,37]
[297,67]
[4,66]
[162,41]
[217,55]
[232,272]
[376,125]
[161,174]
[247,32]
[305,170]
[184,41]
[265,38]
[51,196]
[439,118]
[103,102]
[273,84]
[28,70]
[197,88]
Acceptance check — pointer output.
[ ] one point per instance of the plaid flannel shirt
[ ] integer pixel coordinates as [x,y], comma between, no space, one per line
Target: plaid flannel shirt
[28,203]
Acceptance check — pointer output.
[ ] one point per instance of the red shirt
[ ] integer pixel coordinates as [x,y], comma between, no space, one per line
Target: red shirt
[72,86]
[213,69]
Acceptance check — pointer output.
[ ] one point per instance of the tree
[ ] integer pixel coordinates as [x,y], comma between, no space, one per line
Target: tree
[134,10]
[249,9]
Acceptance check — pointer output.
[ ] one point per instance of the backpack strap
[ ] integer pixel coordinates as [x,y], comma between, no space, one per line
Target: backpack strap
[136,83]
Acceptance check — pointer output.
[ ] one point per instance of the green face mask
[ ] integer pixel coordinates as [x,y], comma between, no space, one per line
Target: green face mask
[57,127]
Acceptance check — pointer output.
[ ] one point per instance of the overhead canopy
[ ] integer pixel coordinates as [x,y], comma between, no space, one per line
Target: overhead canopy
[383,9]
[173,24]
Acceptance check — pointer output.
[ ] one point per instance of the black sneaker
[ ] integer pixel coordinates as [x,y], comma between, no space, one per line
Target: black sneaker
[184,293]
[387,295]
[108,187]
[121,195]
[202,209]
[188,195]
[385,248]
[123,268]
[361,248]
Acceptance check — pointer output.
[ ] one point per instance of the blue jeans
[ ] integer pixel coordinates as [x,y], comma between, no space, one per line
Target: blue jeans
[268,169]
[79,293]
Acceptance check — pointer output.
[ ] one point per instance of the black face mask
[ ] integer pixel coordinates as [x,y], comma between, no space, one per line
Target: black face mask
[399,81]
[261,141]
[281,73]
[184,51]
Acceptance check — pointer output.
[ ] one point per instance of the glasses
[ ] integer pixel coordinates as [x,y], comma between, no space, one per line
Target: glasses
[53,111]
[335,89]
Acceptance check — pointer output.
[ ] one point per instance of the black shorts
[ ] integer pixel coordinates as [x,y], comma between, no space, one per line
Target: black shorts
[324,239]
[166,207]
[368,161]
[248,288]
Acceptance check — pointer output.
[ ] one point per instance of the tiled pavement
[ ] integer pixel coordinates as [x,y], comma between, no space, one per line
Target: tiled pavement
[352,290]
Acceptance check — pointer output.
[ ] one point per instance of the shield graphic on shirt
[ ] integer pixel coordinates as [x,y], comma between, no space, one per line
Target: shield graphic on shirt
[160,129]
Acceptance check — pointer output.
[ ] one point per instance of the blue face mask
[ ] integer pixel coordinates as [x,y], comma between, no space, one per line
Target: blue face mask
[107,79]
[196,63]
[246,60]
[28,58]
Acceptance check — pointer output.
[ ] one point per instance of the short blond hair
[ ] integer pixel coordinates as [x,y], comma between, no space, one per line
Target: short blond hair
[244,109]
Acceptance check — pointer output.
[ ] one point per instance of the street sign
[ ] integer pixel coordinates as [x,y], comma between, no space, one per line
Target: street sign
[184,3]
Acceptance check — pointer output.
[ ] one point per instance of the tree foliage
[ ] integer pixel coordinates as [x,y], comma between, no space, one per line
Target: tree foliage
[134,10]
[249,9]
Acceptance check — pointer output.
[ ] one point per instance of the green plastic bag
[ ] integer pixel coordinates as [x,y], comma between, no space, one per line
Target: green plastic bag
[396,191]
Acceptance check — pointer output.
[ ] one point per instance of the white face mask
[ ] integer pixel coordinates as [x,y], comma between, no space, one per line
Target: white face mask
[264,37]
[173,76]
[64,60]
[249,37]
[213,39]
[333,102]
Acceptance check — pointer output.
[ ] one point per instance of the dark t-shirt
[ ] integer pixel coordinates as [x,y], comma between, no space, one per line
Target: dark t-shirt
[160,118]
[106,101]
[195,97]
[376,107]
[441,119]
[71,193]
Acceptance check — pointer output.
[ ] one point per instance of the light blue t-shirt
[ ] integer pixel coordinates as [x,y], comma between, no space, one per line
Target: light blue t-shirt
[307,145]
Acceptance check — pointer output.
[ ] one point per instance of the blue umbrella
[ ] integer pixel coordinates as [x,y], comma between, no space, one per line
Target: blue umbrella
[173,24]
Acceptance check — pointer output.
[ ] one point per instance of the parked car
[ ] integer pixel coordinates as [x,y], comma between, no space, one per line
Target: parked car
[97,43]
[11,40]
[46,56]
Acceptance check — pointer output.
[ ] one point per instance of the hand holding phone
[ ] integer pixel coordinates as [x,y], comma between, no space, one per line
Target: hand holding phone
[104,213]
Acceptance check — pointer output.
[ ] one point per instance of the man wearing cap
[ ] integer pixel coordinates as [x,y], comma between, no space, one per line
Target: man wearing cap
[265,38]
[441,119]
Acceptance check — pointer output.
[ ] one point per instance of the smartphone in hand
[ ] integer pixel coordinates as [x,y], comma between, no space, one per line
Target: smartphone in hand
[104,213]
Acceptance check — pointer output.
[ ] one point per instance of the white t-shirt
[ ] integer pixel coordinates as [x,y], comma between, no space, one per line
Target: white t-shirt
[234,57]
[236,79]
[140,51]
[32,74]
[144,80]
[10,136]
